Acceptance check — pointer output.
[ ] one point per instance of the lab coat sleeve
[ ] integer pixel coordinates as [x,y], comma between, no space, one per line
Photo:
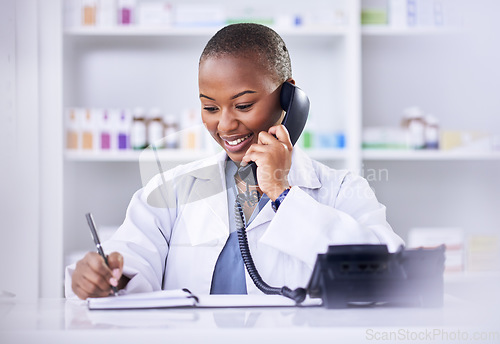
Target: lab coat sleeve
[143,241]
[306,223]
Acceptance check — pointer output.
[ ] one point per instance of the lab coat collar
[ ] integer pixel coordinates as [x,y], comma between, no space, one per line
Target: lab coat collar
[302,174]
[201,192]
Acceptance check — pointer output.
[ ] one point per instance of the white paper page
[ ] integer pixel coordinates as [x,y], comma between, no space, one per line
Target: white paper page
[181,298]
[215,301]
[156,299]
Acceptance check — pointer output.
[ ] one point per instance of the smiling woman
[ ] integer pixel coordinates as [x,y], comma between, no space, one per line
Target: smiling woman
[187,238]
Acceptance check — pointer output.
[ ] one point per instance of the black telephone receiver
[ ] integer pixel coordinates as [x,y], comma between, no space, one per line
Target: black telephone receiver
[296,105]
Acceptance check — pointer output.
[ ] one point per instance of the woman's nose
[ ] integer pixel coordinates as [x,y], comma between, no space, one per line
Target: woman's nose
[227,121]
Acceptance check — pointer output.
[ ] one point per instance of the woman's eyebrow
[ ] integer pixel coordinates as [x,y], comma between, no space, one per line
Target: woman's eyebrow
[233,97]
[242,93]
[204,96]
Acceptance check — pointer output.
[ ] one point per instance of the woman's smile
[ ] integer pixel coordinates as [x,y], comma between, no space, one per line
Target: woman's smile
[235,145]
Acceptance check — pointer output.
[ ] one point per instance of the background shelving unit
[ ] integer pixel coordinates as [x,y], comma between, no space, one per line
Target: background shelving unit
[181,155]
[355,76]
[96,74]
[187,32]
[450,73]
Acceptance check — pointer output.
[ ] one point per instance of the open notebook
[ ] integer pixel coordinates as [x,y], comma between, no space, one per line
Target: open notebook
[184,298]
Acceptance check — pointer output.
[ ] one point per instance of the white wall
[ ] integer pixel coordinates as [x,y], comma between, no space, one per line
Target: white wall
[19,156]
[31,154]
[51,148]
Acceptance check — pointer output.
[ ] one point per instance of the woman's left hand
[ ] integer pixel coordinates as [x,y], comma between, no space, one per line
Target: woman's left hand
[273,156]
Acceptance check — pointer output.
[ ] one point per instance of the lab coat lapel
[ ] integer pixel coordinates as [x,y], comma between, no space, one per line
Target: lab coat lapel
[265,215]
[207,200]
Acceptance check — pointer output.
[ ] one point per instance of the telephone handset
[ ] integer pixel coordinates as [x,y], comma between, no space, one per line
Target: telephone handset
[296,105]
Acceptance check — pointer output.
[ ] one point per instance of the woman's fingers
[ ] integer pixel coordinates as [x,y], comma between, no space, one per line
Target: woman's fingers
[93,278]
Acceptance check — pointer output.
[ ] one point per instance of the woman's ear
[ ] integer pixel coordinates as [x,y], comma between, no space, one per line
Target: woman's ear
[291,80]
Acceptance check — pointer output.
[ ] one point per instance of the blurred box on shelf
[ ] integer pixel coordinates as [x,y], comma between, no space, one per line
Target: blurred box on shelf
[107,15]
[452,238]
[245,13]
[425,13]
[483,253]
[374,12]
[73,135]
[385,138]
[326,15]
[398,12]
[412,13]
[466,140]
[155,13]
[373,17]
[330,140]
[191,130]
[316,139]
[201,14]
[89,12]
[72,13]
[495,142]
[127,12]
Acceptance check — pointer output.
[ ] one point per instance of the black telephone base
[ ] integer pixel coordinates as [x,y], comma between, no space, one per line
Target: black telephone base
[368,274]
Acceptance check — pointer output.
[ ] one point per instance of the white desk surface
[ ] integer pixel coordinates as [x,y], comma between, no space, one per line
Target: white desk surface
[62,321]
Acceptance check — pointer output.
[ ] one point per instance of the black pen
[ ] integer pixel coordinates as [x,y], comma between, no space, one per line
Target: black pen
[90,221]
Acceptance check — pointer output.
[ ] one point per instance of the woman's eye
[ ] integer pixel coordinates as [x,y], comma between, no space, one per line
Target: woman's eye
[210,108]
[244,106]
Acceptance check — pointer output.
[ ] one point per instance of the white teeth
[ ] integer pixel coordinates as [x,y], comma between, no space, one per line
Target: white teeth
[235,142]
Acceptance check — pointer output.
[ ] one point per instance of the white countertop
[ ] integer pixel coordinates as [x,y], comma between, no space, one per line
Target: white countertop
[474,319]
[61,321]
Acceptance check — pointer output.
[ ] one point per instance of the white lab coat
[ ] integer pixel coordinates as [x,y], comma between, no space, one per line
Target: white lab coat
[172,239]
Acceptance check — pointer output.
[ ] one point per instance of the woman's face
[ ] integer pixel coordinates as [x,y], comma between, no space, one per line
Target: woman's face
[239,99]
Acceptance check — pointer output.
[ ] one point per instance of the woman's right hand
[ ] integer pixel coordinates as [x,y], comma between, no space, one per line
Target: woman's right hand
[93,278]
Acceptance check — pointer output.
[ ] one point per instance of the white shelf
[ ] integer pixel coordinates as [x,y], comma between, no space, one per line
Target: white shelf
[409,155]
[384,30]
[139,31]
[179,155]
[194,31]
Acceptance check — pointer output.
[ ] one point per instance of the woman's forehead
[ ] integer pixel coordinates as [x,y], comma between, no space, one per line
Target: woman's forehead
[248,68]
[240,60]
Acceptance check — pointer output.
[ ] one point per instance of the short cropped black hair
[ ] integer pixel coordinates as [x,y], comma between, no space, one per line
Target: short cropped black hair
[245,39]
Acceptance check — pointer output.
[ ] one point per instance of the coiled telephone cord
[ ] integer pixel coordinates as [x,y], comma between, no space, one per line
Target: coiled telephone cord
[298,295]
